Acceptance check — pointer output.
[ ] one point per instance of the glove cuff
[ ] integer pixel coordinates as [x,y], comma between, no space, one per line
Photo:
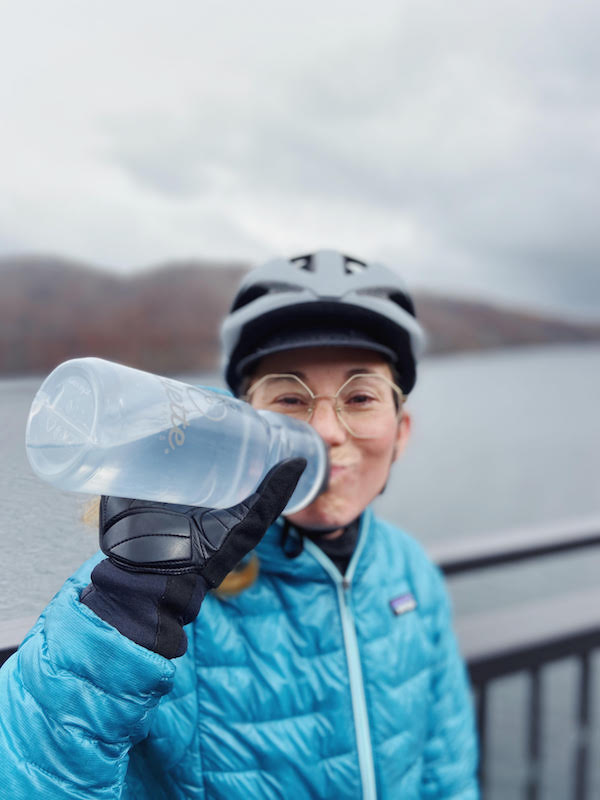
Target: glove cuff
[149,609]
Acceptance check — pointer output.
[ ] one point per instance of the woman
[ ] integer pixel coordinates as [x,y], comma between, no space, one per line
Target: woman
[335,673]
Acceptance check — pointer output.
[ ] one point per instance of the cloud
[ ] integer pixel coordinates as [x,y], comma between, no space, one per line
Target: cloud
[462,142]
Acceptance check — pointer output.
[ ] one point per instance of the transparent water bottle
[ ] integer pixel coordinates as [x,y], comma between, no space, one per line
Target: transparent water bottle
[103,428]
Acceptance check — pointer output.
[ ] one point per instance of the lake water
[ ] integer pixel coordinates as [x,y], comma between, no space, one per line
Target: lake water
[500,440]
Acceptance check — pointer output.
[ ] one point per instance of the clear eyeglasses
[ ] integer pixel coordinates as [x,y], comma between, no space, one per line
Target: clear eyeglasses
[364,404]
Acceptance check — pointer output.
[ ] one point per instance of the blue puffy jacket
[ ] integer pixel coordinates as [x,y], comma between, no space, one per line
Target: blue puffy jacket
[304,686]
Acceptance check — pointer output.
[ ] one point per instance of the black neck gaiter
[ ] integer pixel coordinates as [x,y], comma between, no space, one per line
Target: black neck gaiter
[340,549]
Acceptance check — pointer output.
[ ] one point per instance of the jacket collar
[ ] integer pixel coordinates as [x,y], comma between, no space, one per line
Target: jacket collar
[305,567]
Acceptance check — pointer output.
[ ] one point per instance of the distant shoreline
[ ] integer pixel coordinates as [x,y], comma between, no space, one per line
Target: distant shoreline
[167,320]
[35,378]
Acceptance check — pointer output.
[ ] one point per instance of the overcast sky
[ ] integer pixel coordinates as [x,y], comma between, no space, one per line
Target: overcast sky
[459,142]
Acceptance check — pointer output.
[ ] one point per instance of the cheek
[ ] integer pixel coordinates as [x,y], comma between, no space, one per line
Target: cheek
[372,469]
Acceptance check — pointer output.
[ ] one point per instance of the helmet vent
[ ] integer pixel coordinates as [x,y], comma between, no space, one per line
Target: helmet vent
[404,301]
[399,298]
[260,290]
[353,265]
[253,293]
[304,262]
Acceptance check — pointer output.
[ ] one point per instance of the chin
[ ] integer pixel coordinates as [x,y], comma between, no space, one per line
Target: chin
[327,511]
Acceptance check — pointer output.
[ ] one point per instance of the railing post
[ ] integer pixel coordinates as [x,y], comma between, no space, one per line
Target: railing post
[583,728]
[481,731]
[534,725]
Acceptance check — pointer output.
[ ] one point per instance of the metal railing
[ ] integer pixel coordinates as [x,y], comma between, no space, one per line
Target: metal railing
[526,639]
[507,642]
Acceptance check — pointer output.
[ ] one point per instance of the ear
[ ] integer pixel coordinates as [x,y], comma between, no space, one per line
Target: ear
[402,434]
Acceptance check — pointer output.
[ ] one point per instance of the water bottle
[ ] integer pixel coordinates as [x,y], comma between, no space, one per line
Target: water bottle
[103,428]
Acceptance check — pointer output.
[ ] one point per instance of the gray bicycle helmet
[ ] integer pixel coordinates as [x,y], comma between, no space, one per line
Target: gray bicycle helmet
[325,298]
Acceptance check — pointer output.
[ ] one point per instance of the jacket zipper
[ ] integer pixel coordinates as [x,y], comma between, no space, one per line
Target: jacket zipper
[357,688]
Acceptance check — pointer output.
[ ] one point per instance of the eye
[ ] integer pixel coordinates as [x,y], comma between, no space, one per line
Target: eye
[360,399]
[290,401]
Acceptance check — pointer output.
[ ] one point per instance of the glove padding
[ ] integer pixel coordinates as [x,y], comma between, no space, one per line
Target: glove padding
[168,539]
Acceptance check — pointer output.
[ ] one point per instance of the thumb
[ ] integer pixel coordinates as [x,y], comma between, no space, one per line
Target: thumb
[283,478]
[269,499]
[246,523]
[277,487]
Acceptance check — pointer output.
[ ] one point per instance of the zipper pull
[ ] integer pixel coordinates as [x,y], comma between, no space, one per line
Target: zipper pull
[345,583]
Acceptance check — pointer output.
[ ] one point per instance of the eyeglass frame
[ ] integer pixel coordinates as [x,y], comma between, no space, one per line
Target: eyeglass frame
[399,395]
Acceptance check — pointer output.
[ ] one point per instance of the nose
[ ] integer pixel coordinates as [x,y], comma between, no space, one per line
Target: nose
[327,423]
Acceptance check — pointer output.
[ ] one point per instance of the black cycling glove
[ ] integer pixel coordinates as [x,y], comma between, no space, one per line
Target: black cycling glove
[163,558]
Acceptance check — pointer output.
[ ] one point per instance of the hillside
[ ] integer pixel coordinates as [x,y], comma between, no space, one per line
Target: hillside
[166,319]
[456,325]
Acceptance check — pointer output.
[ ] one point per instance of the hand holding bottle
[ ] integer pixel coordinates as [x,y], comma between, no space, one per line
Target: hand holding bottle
[163,558]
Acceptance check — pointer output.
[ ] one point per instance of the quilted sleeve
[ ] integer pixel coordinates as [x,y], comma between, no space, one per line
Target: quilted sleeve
[74,699]
[451,749]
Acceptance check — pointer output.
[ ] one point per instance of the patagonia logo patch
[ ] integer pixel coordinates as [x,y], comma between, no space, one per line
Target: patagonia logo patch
[403,603]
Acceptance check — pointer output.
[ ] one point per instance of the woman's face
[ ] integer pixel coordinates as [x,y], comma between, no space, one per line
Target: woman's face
[359,467]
